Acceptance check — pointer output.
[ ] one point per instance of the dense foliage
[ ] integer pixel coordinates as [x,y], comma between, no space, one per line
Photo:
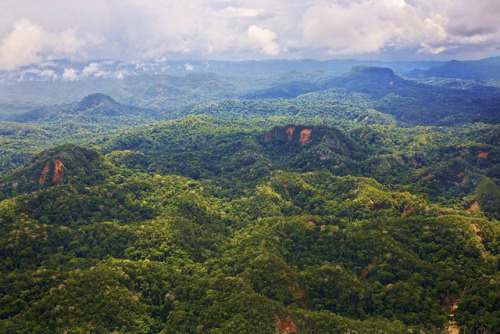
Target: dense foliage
[311,205]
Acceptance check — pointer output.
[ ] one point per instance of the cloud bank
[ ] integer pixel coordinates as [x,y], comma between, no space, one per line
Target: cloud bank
[33,31]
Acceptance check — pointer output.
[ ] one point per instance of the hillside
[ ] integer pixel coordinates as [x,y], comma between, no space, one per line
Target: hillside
[67,164]
[299,249]
[362,96]
[304,201]
[485,69]
[410,102]
[94,108]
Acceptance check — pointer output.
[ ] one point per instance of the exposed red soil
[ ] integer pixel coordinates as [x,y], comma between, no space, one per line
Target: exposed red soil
[58,171]
[311,223]
[368,268]
[416,162]
[427,176]
[474,207]
[462,175]
[289,132]
[483,154]
[286,326]
[44,173]
[305,135]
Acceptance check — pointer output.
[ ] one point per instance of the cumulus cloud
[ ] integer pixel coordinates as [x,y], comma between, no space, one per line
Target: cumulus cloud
[23,45]
[48,74]
[70,74]
[91,69]
[264,38]
[33,31]
[431,27]
[366,26]
[30,43]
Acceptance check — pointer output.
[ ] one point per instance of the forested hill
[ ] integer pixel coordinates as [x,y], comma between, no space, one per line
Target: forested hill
[203,224]
[308,200]
[484,69]
[92,109]
[410,102]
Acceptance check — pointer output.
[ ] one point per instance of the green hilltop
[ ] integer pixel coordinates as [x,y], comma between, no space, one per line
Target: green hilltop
[298,203]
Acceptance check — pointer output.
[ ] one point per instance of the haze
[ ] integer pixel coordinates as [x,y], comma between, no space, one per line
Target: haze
[33,32]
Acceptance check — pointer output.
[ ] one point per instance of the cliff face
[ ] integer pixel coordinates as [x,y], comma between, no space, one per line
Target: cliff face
[303,138]
[57,171]
[303,135]
[64,164]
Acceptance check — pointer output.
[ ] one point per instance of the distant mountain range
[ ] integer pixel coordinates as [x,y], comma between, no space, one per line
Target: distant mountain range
[252,197]
[144,99]
[65,70]
[485,69]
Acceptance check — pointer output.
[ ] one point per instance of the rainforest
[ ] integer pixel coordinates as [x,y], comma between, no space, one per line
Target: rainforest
[252,197]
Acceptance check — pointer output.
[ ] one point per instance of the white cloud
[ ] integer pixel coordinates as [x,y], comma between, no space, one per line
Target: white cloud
[34,31]
[121,74]
[188,67]
[70,74]
[384,26]
[48,74]
[263,38]
[29,43]
[426,48]
[364,27]
[67,43]
[90,69]
[23,45]
[241,12]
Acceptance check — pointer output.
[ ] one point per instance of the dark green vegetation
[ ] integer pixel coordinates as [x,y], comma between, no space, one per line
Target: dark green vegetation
[302,202]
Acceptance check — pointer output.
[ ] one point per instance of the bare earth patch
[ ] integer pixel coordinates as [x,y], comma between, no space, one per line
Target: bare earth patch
[44,173]
[286,326]
[368,268]
[483,154]
[289,132]
[305,135]
[58,171]
[474,207]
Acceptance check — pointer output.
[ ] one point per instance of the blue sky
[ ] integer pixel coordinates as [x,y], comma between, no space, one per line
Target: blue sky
[33,31]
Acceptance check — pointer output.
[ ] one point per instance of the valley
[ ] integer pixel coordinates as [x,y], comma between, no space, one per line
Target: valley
[316,197]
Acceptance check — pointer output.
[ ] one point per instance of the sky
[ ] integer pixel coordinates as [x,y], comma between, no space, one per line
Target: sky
[36,31]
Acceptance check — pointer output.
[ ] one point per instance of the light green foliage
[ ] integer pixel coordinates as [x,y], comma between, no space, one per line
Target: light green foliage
[311,205]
